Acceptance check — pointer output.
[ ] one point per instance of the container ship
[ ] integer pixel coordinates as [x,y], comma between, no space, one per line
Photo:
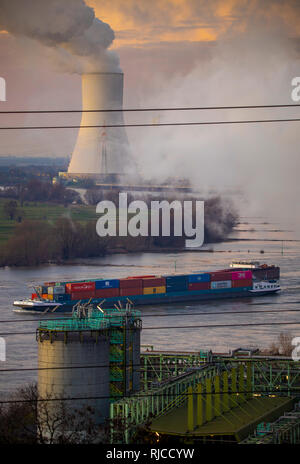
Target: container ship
[242,279]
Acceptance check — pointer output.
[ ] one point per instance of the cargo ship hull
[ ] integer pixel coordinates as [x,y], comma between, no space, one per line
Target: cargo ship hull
[154,290]
[145,300]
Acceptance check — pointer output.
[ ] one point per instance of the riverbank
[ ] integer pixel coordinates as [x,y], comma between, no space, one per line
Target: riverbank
[35,233]
[118,251]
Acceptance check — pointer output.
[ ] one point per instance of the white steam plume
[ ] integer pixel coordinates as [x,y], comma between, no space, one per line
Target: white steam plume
[69,27]
[255,66]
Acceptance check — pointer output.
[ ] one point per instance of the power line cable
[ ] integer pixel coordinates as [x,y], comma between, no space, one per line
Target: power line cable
[167,124]
[211,326]
[185,314]
[138,110]
[164,368]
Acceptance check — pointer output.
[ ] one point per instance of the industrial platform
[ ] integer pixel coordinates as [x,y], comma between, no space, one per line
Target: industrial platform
[233,425]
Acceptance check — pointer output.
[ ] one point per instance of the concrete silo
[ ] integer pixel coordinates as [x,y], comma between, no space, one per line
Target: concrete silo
[102,151]
[93,355]
[73,364]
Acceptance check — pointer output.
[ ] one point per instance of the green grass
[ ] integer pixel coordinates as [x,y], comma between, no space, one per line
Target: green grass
[44,212]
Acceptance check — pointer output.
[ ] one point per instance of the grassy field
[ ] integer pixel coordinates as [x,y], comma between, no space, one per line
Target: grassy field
[45,212]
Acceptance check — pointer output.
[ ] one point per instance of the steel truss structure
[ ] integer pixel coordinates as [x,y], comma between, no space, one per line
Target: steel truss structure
[169,380]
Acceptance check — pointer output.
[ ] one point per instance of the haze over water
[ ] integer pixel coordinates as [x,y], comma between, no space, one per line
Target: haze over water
[280,247]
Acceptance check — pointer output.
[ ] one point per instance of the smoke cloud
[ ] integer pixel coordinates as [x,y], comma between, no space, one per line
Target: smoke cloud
[250,64]
[79,41]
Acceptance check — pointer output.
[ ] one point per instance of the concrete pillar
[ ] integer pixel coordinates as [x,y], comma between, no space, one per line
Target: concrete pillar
[217,402]
[199,405]
[190,408]
[249,380]
[208,397]
[233,399]
[225,396]
[241,384]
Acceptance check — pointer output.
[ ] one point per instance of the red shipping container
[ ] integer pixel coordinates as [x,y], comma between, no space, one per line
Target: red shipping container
[82,295]
[225,270]
[216,276]
[33,296]
[242,275]
[107,292]
[131,291]
[242,283]
[199,286]
[230,269]
[154,282]
[74,287]
[49,284]
[140,277]
[131,283]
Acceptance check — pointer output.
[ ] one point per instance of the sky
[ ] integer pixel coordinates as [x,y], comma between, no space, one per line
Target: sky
[172,53]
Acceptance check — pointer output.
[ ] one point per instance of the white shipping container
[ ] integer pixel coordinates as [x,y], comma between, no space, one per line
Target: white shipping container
[220,284]
[57,290]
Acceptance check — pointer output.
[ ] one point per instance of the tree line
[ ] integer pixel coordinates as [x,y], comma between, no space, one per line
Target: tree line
[37,190]
[35,242]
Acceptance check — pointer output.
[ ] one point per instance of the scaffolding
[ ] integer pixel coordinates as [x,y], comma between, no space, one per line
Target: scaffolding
[208,387]
[117,325]
[285,430]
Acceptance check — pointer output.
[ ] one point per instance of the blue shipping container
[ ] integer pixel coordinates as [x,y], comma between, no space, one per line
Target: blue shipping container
[109,283]
[176,279]
[193,278]
[177,283]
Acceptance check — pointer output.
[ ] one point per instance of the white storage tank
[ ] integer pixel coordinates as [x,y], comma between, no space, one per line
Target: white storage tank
[77,365]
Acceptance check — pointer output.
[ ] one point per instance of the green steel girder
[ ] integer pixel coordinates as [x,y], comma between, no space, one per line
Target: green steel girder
[158,367]
[269,374]
[262,376]
[285,430]
[159,400]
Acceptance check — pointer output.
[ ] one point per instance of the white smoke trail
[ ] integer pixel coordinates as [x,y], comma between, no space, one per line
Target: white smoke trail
[251,67]
[68,27]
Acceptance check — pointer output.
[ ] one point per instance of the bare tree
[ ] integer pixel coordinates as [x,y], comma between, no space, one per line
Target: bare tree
[10,209]
[29,419]
[282,346]
[285,344]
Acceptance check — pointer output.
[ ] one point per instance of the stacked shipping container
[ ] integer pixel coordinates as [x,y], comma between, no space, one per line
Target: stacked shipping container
[199,281]
[148,285]
[154,285]
[81,290]
[176,283]
[107,288]
[131,286]
[225,280]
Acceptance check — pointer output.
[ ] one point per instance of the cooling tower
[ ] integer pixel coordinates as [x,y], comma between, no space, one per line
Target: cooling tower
[102,150]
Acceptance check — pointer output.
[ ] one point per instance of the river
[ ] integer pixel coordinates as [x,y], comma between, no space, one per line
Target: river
[252,236]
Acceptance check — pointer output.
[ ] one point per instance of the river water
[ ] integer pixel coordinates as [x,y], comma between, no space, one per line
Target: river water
[162,325]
